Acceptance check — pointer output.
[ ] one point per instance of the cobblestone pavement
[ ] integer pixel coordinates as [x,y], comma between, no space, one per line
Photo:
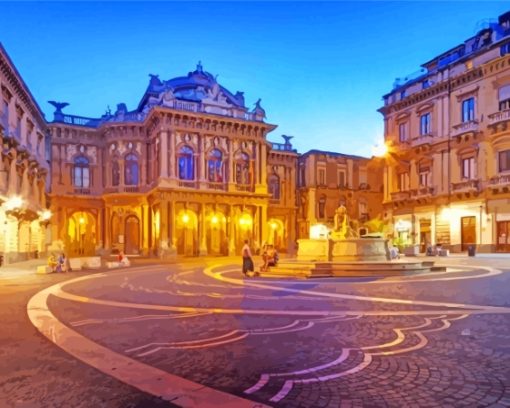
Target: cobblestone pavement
[435,340]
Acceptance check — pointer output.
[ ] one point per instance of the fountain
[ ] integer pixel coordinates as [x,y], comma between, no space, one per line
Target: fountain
[344,253]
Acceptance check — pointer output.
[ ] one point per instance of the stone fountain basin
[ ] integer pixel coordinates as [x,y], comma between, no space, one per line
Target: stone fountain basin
[345,250]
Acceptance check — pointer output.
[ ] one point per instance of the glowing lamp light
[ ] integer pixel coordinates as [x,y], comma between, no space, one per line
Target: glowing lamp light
[13,203]
[81,220]
[185,218]
[245,220]
[274,225]
[380,150]
[45,215]
[214,219]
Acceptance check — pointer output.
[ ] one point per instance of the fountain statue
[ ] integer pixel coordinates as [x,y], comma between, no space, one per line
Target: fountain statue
[342,228]
[343,244]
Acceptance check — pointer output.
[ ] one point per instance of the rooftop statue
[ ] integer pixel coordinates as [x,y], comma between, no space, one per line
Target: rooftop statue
[58,115]
[58,106]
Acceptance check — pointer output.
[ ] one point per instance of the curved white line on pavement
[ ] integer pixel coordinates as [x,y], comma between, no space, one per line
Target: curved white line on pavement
[136,319]
[148,379]
[220,276]
[489,271]
[287,387]
[229,334]
[217,343]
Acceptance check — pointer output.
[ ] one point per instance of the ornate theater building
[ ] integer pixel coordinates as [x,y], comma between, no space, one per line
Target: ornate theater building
[23,168]
[189,171]
[447,175]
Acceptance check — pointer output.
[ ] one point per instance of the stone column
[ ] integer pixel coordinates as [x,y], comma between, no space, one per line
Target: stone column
[145,228]
[231,232]
[202,251]
[263,161]
[172,221]
[163,229]
[231,167]
[107,244]
[263,223]
[163,151]
[172,154]
[201,160]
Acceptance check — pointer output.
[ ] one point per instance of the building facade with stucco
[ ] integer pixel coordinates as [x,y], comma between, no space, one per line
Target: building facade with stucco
[189,171]
[23,168]
[447,174]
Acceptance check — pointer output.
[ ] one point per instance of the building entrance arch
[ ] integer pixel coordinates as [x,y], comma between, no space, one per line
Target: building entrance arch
[187,233]
[81,234]
[132,235]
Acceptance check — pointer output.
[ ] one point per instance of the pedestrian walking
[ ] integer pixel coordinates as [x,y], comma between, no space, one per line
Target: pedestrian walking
[247,260]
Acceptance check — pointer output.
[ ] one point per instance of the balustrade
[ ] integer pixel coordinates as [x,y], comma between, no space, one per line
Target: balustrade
[217,186]
[497,117]
[82,191]
[187,183]
[501,180]
[400,195]
[244,187]
[466,185]
[464,127]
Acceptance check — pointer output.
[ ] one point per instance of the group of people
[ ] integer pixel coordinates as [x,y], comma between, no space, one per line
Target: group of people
[58,265]
[269,257]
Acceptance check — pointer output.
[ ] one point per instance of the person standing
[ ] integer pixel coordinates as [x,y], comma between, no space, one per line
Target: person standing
[247,261]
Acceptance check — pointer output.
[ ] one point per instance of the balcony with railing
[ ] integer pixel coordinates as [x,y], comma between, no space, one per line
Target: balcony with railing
[132,189]
[422,191]
[244,187]
[498,117]
[79,121]
[82,191]
[465,127]
[187,183]
[466,186]
[501,180]
[217,186]
[422,139]
[400,195]
[283,147]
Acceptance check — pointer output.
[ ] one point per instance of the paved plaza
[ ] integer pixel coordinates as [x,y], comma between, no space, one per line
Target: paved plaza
[197,334]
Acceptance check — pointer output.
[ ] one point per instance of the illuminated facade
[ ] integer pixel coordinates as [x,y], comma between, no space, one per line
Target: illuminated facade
[23,168]
[327,180]
[187,172]
[447,175]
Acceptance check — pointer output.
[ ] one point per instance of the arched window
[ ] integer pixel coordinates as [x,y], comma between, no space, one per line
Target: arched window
[131,170]
[115,172]
[274,186]
[215,166]
[186,168]
[81,172]
[243,173]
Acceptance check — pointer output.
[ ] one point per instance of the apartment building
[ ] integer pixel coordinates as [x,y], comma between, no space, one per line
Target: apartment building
[327,180]
[24,216]
[447,172]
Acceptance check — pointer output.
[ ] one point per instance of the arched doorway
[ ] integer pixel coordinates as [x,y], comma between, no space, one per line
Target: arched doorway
[132,235]
[216,227]
[81,234]
[244,229]
[276,234]
[187,233]
[115,233]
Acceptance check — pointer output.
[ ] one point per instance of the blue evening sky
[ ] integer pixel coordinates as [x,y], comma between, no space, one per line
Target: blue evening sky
[320,68]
